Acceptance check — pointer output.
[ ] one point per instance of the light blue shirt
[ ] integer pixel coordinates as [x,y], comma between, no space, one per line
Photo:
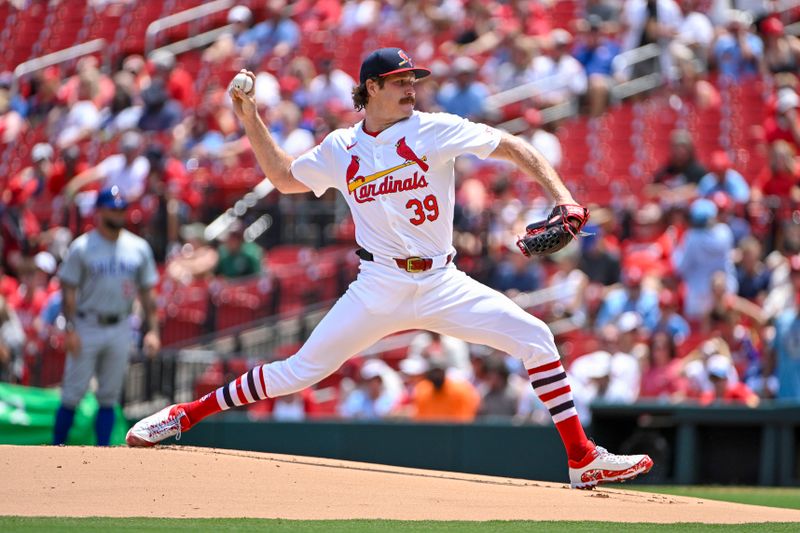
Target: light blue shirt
[703,252]
[467,102]
[618,301]
[729,56]
[734,185]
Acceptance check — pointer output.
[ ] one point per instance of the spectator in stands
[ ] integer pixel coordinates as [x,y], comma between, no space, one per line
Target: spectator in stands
[723,177]
[160,112]
[440,398]
[463,95]
[561,78]
[543,140]
[730,213]
[330,85]
[127,170]
[371,400]
[44,94]
[237,257]
[68,165]
[784,355]
[675,181]
[295,407]
[706,249]
[412,372]
[752,274]
[661,370]
[40,171]
[447,351]
[781,51]
[723,389]
[287,131]
[695,30]
[599,263]
[632,296]
[20,230]
[241,41]
[738,53]
[177,81]
[608,375]
[12,341]
[691,84]
[278,35]
[596,53]
[780,182]
[670,320]
[570,301]
[733,328]
[650,244]
[499,399]
[514,70]
[83,117]
[12,121]
[649,22]
[162,207]
[195,260]
[513,275]
[785,123]
[121,114]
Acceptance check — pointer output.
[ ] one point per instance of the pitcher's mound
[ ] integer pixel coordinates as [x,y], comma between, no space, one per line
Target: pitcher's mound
[200,482]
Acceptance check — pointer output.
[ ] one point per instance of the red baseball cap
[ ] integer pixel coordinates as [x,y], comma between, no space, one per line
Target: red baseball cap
[772,26]
[387,61]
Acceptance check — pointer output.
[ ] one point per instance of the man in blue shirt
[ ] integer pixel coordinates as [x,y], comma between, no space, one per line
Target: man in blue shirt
[596,53]
[738,52]
[465,96]
[723,178]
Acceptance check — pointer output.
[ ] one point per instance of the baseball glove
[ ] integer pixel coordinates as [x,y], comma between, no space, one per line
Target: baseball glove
[547,236]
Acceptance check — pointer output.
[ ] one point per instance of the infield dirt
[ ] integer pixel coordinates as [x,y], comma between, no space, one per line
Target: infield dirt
[175,481]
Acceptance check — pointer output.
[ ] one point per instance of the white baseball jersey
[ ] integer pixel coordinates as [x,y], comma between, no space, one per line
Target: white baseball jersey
[400,184]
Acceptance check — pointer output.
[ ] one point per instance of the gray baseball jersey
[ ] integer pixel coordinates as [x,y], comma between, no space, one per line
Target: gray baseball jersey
[108,274]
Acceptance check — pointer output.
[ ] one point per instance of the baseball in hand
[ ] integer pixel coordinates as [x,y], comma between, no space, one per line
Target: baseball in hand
[243,82]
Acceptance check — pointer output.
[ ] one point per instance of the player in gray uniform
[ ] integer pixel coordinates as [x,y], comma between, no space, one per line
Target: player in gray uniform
[101,276]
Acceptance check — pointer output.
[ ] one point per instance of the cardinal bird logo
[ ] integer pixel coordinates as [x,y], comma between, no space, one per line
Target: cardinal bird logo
[405,59]
[352,168]
[408,154]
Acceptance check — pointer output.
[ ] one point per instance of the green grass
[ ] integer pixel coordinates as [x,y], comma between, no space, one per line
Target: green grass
[788,498]
[14,524]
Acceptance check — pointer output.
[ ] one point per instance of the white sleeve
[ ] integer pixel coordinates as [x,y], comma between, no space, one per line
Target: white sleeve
[456,136]
[109,165]
[315,169]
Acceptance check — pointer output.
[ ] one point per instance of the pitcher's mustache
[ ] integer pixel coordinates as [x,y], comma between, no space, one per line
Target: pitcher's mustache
[408,100]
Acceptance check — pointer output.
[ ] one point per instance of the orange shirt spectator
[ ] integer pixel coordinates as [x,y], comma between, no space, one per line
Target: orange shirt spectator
[441,399]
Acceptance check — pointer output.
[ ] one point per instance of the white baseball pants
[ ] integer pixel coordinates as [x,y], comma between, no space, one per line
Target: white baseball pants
[384,300]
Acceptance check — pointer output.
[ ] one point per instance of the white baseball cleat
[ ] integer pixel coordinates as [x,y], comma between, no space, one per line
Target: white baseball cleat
[149,431]
[600,466]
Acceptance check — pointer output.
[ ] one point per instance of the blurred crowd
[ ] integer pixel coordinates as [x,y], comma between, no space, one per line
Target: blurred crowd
[687,289]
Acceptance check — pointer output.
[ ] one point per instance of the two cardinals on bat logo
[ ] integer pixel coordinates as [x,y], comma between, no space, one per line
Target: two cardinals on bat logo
[355,182]
[405,59]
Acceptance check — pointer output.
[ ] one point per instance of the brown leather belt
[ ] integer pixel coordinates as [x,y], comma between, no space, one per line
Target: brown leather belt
[409,264]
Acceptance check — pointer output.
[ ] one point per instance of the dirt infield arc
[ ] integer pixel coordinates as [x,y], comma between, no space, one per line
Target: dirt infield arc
[203,483]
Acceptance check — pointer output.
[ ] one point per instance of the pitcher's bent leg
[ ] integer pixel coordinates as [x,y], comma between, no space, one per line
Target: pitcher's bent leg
[463,308]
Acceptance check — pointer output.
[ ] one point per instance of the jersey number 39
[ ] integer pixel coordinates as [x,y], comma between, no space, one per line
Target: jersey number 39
[428,204]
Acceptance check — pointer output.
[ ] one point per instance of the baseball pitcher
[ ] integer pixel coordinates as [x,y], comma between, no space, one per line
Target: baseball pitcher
[395,169]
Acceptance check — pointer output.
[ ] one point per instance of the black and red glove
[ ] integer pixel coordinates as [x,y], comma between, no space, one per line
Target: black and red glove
[547,236]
